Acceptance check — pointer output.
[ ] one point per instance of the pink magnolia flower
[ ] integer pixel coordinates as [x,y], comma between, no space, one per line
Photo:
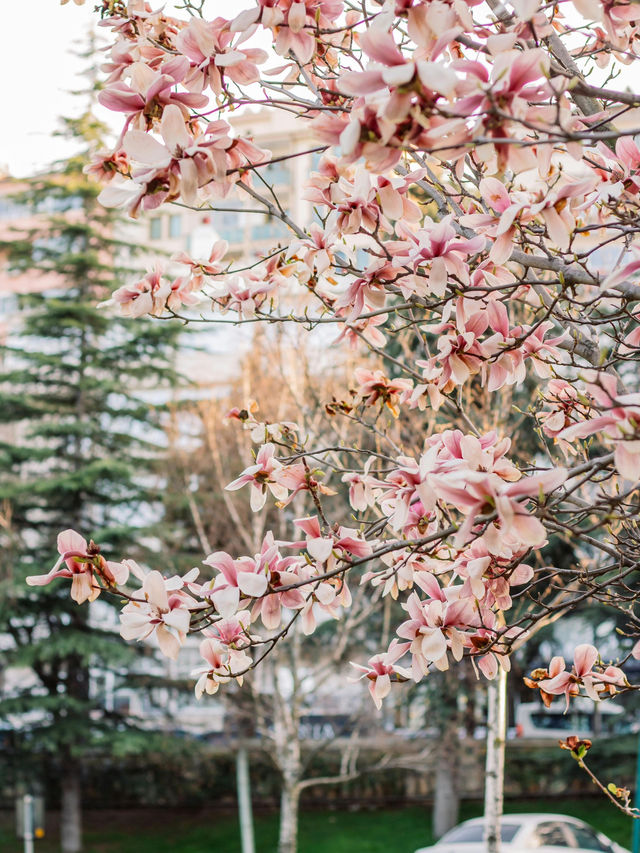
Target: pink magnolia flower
[222,664]
[566,405]
[567,683]
[201,268]
[236,577]
[620,421]
[243,293]
[373,385]
[500,225]
[148,295]
[489,577]
[400,574]
[104,166]
[477,453]
[233,631]
[368,330]
[150,92]
[88,570]
[475,494]
[283,573]
[490,663]
[208,45]
[361,495]
[262,476]
[183,291]
[393,70]
[368,292]
[382,669]
[612,678]
[293,23]
[437,250]
[368,202]
[460,352]
[342,539]
[125,53]
[400,489]
[189,162]
[517,82]
[436,626]
[317,251]
[165,610]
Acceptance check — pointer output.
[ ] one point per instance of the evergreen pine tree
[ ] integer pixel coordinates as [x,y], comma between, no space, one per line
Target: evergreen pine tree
[78,448]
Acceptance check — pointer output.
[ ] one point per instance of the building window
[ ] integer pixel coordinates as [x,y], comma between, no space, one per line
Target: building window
[175,225]
[155,228]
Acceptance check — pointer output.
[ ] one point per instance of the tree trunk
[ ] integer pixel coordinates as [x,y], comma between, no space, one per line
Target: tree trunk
[446,797]
[494,783]
[289,802]
[446,714]
[71,811]
[244,801]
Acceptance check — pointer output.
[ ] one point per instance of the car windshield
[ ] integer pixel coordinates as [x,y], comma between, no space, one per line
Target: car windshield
[474,833]
[570,722]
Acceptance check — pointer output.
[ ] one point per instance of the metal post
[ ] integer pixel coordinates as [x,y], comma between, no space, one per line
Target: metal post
[244,801]
[27,817]
[636,822]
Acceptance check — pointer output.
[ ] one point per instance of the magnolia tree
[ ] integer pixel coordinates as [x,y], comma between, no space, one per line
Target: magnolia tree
[476,203]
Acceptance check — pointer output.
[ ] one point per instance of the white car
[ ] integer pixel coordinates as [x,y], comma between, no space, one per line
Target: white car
[521,833]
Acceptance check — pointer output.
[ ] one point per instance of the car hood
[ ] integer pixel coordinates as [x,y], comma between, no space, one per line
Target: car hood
[468,848]
[482,848]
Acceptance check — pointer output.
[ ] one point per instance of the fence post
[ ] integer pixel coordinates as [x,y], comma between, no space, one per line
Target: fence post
[27,817]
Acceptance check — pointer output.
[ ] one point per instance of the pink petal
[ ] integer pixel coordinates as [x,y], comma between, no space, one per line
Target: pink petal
[584,658]
[168,642]
[70,540]
[252,584]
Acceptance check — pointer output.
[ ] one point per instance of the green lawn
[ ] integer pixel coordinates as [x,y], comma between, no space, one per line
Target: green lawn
[397,831]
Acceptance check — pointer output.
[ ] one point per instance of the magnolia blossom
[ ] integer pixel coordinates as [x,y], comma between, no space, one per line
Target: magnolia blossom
[163,610]
[83,563]
[214,59]
[293,23]
[148,295]
[433,629]
[373,385]
[382,669]
[619,420]
[222,664]
[567,683]
[236,577]
[262,476]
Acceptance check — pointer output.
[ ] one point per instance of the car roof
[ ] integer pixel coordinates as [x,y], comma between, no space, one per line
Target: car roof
[528,818]
[579,703]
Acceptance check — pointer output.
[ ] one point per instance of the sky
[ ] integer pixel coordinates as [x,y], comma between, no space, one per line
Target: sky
[38,71]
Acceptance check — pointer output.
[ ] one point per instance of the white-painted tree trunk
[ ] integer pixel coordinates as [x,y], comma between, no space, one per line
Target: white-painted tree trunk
[289,805]
[494,774]
[244,801]
[290,763]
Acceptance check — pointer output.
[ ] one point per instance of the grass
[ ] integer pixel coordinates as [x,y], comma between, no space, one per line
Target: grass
[385,831]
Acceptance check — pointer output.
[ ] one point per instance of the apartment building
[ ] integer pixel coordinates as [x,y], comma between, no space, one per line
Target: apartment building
[239,219]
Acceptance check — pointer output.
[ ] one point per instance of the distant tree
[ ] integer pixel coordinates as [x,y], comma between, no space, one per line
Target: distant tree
[302,675]
[78,449]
